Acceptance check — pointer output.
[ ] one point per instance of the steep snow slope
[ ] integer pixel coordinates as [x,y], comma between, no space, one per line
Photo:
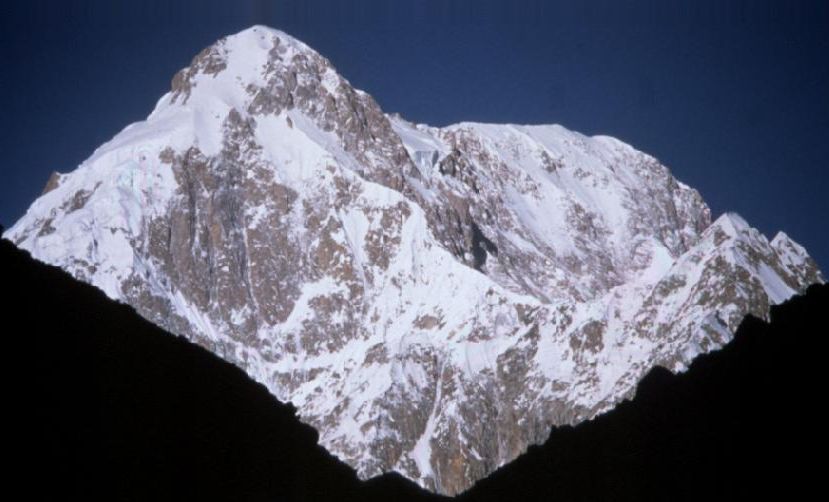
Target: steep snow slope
[432,300]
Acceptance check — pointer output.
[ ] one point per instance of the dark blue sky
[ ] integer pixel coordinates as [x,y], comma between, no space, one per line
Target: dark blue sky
[733,97]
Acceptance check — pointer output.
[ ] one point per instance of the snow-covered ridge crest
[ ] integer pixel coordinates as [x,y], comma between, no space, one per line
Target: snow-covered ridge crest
[433,300]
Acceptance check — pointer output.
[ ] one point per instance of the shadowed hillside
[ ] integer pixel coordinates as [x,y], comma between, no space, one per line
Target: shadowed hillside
[104,405]
[107,406]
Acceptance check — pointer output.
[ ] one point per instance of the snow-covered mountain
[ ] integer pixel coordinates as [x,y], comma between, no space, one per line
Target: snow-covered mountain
[432,300]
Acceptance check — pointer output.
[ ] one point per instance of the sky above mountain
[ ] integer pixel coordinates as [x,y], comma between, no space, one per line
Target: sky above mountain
[732,98]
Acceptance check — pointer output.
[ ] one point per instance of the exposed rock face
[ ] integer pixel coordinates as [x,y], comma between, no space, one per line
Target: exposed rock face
[432,300]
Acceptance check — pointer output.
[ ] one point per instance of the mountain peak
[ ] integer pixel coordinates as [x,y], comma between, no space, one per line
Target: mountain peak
[731,223]
[249,58]
[403,284]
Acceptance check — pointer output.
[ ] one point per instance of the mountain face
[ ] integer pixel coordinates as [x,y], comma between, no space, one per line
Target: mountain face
[432,300]
[114,408]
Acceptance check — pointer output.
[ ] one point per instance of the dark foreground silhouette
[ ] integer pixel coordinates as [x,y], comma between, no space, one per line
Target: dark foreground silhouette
[103,405]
